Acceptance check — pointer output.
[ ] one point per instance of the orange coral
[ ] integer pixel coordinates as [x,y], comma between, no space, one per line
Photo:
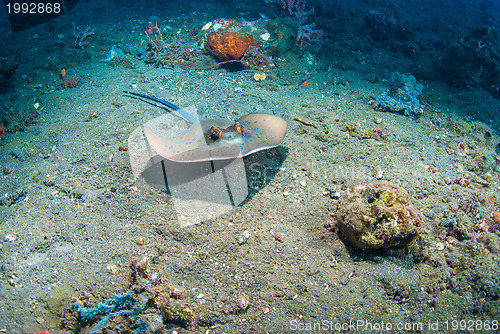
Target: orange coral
[229,45]
[496,217]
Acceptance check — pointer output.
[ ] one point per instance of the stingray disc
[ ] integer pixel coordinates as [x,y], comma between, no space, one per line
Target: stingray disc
[260,131]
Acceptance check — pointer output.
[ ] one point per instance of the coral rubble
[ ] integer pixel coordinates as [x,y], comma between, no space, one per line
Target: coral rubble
[404,98]
[150,305]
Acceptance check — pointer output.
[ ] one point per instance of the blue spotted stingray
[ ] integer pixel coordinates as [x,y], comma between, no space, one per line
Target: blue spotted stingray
[260,131]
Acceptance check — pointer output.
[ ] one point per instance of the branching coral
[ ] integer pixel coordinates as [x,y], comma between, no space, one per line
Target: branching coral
[160,52]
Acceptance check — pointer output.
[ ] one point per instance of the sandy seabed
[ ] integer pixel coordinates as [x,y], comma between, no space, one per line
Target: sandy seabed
[73,217]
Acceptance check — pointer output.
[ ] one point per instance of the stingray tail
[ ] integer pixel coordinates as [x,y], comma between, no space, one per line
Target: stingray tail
[168,104]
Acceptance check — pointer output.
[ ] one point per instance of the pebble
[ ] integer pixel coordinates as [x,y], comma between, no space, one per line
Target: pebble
[303,183]
[244,237]
[113,268]
[279,237]
[439,246]
[242,302]
[335,194]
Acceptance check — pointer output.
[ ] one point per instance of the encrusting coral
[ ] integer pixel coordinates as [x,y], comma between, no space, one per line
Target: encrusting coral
[229,45]
[377,215]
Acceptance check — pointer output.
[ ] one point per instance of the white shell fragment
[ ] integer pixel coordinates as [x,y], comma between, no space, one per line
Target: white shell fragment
[207,26]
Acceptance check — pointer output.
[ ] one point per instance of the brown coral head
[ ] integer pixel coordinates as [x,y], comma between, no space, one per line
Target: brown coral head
[228,45]
[214,133]
[70,83]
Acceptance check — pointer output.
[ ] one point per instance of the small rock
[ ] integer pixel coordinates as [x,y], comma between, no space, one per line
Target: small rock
[113,268]
[143,264]
[303,183]
[50,182]
[279,237]
[242,302]
[335,194]
[244,237]
[372,77]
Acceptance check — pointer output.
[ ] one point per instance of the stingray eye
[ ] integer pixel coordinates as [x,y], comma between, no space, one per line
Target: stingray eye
[215,133]
[238,128]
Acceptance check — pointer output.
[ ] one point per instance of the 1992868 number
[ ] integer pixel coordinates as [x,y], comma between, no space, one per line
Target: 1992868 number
[33,8]
[473,325]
